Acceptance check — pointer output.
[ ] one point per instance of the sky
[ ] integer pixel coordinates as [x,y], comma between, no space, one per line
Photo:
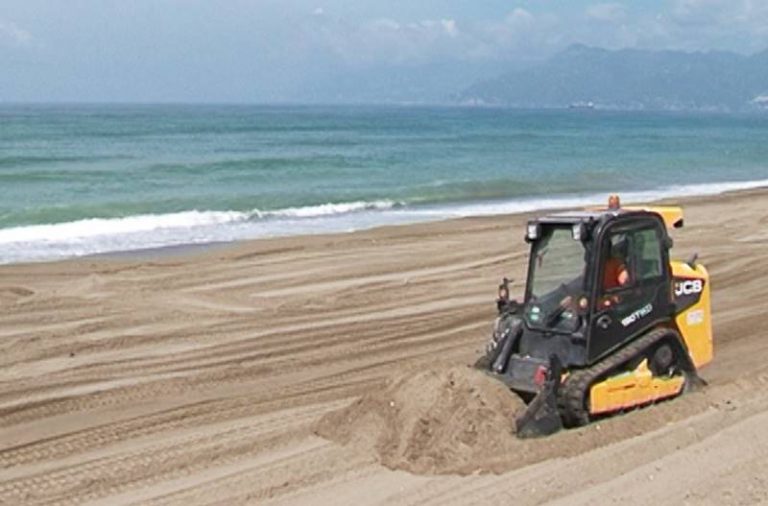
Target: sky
[327,50]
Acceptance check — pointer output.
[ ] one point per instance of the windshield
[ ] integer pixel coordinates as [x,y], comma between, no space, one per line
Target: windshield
[556,277]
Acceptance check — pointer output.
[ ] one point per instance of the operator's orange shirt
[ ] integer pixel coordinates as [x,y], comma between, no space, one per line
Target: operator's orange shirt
[613,270]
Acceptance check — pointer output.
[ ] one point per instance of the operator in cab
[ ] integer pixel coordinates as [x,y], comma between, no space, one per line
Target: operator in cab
[616,274]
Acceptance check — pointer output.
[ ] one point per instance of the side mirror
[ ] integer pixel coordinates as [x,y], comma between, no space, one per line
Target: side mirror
[503,302]
[504,290]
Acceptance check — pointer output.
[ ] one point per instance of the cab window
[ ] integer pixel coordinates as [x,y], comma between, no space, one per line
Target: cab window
[617,266]
[631,257]
[648,251]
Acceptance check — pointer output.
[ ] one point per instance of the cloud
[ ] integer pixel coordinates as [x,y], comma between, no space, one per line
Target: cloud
[438,27]
[720,12]
[12,34]
[610,12]
[516,34]
[527,34]
[536,32]
[702,23]
[385,25]
[520,34]
[520,17]
[449,25]
[703,12]
[393,41]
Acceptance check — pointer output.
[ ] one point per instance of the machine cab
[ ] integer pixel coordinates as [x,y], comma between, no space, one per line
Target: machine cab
[596,280]
[631,290]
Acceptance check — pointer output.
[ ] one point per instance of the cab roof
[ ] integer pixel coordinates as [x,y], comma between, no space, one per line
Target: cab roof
[672,216]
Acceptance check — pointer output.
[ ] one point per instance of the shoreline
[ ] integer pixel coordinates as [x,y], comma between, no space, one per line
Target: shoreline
[195,250]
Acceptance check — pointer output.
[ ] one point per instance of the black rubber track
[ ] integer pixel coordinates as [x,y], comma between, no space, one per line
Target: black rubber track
[572,397]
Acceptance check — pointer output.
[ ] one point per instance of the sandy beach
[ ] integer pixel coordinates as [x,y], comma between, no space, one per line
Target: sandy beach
[198,378]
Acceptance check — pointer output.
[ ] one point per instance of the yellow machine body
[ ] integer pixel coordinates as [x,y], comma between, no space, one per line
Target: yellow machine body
[691,289]
[694,322]
[630,389]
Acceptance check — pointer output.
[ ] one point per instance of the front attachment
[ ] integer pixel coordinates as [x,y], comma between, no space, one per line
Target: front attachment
[541,417]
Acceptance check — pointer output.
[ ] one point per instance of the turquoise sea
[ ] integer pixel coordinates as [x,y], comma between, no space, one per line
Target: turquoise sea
[86,179]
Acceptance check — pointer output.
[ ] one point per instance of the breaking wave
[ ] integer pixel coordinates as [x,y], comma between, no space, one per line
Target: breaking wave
[146,231]
[149,231]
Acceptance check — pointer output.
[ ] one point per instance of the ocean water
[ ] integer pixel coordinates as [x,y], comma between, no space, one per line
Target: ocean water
[78,180]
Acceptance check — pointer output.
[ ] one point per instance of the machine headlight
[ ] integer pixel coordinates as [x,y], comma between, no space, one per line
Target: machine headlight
[533,232]
[578,232]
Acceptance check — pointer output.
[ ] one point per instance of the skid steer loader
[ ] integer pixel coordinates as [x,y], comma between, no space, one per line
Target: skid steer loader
[608,322]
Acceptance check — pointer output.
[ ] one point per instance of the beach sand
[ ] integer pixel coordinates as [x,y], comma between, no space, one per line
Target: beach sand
[201,378]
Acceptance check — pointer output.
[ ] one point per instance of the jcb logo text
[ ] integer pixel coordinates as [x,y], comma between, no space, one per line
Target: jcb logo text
[689,287]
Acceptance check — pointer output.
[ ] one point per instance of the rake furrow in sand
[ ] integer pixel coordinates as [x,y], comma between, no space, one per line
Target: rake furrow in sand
[196,415]
[244,366]
[247,416]
[110,475]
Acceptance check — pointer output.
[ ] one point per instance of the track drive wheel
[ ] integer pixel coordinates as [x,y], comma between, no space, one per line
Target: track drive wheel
[667,360]
[574,399]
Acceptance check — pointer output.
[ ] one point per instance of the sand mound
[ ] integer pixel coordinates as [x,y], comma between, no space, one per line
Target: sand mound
[435,421]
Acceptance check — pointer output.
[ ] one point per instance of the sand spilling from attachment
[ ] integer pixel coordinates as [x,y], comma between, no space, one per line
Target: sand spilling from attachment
[434,421]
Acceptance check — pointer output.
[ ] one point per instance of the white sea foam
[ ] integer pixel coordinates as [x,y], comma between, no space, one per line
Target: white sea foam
[94,236]
[94,227]
[329,209]
[104,235]
[83,229]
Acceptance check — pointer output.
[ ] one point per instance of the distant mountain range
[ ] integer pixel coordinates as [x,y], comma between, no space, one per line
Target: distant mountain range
[582,76]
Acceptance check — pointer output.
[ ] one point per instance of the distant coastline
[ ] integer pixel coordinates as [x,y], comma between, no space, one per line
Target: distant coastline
[632,80]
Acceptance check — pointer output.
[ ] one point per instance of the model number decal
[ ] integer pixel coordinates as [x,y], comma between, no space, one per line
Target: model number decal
[695,317]
[688,287]
[637,315]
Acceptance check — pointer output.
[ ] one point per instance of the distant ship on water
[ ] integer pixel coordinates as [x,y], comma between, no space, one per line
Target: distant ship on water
[582,105]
